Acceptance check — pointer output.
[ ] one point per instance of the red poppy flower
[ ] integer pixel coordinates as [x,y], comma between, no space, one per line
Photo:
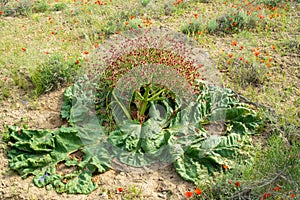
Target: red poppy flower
[237,184]
[86,52]
[266,195]
[77,62]
[292,195]
[196,15]
[188,194]
[198,191]
[256,53]
[234,43]
[23,49]
[120,189]
[276,188]
[131,17]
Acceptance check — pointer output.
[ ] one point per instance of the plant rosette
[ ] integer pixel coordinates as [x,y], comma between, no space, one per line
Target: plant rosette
[147,99]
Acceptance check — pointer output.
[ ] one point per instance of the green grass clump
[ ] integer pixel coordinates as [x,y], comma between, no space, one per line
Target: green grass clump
[193,27]
[54,73]
[59,7]
[24,7]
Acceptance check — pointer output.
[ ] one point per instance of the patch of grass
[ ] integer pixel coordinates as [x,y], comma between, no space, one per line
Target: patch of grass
[24,7]
[193,27]
[53,73]
[59,7]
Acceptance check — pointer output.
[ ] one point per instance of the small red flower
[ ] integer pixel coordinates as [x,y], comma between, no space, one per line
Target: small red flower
[188,194]
[266,195]
[198,191]
[225,167]
[276,188]
[196,15]
[120,189]
[86,52]
[77,62]
[234,43]
[256,53]
[230,55]
[1,12]
[131,17]
[23,49]
[237,184]
[292,195]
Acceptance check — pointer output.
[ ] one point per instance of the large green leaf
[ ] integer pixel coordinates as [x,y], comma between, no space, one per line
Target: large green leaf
[38,153]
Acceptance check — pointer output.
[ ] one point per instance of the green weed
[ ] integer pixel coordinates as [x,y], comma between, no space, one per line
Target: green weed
[53,73]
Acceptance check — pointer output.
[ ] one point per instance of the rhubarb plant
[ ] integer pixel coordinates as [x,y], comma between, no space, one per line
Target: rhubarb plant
[146,106]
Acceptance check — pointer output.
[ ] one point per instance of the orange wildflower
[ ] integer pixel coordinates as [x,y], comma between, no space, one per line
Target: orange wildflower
[234,43]
[23,49]
[86,52]
[268,64]
[198,191]
[199,32]
[292,195]
[196,15]
[131,17]
[266,195]
[188,194]
[237,184]
[256,53]
[230,55]
[273,47]
[225,167]
[276,188]
[241,58]
[241,47]
[120,189]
